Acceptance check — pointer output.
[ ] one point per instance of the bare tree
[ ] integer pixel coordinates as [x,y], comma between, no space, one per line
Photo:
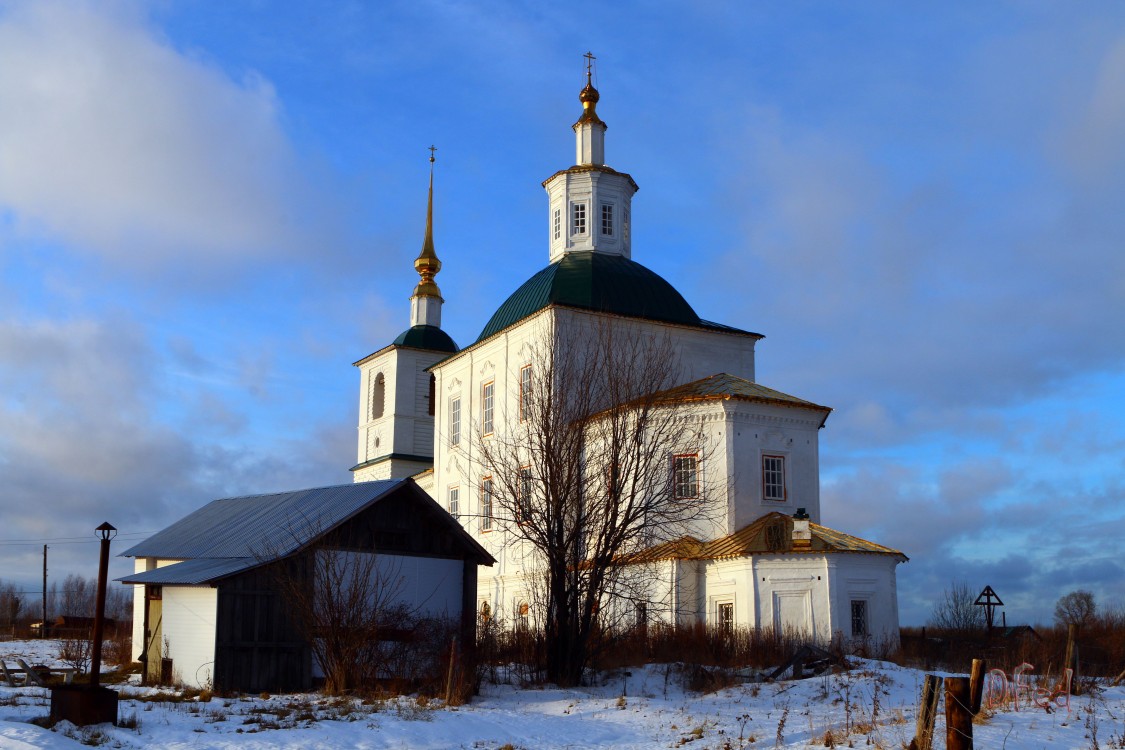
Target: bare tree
[77,596]
[11,603]
[348,605]
[955,611]
[584,472]
[1076,608]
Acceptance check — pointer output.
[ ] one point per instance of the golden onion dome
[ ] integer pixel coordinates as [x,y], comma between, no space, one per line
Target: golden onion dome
[589,97]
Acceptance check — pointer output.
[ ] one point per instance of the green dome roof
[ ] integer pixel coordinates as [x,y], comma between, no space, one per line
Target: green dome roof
[426,337]
[595,281]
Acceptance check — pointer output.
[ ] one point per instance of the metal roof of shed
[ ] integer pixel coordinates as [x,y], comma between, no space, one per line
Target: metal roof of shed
[238,533]
[193,572]
[277,523]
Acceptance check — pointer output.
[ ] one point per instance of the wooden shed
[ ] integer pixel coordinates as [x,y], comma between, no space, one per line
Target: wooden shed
[211,604]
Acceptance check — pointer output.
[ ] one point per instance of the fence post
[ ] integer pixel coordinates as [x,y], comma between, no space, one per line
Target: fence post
[1071,661]
[976,684]
[927,714]
[958,717]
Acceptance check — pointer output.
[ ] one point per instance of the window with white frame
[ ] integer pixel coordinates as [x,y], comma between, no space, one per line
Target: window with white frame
[773,478]
[486,504]
[558,223]
[523,503]
[488,391]
[455,421]
[725,612]
[455,501]
[525,392]
[523,616]
[685,475]
[859,618]
[578,218]
[607,219]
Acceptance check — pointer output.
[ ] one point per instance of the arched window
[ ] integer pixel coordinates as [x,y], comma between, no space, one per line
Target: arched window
[433,394]
[485,613]
[378,395]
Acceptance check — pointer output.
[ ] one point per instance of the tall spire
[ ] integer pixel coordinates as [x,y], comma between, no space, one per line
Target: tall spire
[589,131]
[425,303]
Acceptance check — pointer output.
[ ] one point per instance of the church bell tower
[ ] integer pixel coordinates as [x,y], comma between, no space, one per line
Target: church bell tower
[397,398]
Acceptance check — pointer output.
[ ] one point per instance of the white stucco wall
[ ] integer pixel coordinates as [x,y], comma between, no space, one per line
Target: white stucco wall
[140,565]
[732,435]
[189,618]
[873,579]
[406,427]
[429,586]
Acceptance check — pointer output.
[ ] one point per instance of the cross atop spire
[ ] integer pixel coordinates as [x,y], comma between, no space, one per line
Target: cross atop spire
[432,150]
[589,66]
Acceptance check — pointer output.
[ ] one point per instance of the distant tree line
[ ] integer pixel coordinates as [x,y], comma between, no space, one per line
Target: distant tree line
[73,598]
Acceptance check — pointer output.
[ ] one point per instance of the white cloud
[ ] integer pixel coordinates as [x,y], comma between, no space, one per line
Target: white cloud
[114,141]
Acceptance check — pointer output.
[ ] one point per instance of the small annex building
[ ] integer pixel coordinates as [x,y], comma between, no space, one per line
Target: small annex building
[209,610]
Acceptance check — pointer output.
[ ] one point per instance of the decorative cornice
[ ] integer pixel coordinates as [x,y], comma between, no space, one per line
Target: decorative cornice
[393,457]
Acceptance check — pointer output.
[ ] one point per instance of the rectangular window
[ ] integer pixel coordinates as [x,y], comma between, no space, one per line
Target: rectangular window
[523,511]
[525,392]
[486,403]
[455,501]
[859,618]
[641,614]
[578,219]
[685,476]
[607,219]
[626,223]
[455,421]
[486,504]
[726,616]
[773,478]
[558,223]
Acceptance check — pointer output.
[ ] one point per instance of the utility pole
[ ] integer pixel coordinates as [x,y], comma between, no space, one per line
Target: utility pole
[43,625]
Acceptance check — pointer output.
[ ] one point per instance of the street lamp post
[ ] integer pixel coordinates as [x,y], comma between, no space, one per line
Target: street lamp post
[90,704]
[106,532]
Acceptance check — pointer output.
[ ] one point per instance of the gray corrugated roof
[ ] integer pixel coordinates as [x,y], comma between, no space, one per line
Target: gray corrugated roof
[193,572]
[275,524]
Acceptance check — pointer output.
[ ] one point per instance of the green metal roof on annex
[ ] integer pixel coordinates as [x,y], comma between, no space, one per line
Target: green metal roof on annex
[603,283]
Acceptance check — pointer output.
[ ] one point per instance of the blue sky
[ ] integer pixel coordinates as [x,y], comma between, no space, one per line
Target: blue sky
[208,211]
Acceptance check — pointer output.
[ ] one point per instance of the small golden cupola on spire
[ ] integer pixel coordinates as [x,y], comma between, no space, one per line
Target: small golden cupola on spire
[589,131]
[427,264]
[589,97]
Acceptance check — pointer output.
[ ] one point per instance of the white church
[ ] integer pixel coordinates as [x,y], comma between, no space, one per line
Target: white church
[761,560]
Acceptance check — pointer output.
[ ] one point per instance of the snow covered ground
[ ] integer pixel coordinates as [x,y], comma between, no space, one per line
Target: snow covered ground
[873,705]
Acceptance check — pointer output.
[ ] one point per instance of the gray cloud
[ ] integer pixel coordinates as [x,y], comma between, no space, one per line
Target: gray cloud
[88,433]
[134,151]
